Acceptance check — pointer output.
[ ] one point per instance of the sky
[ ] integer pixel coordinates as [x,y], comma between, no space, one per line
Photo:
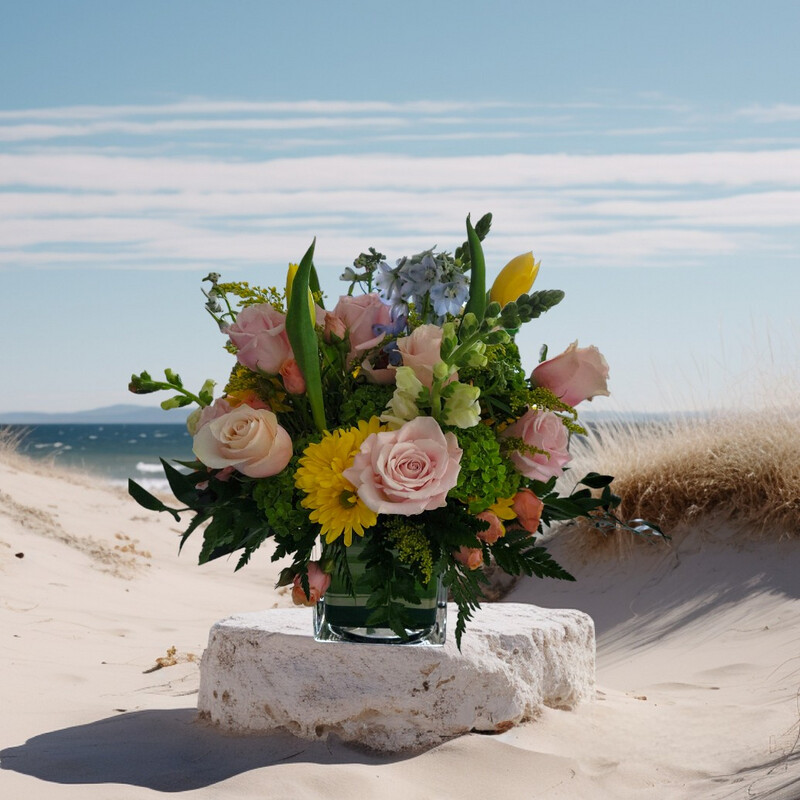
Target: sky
[648,154]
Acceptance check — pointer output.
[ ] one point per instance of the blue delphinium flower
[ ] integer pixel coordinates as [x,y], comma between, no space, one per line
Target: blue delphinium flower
[448,298]
[420,276]
[391,288]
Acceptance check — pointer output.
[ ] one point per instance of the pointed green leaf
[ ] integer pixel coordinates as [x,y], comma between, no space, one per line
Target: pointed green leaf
[303,338]
[477,282]
[148,501]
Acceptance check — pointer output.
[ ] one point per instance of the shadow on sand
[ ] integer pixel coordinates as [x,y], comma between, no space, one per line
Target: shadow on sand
[165,750]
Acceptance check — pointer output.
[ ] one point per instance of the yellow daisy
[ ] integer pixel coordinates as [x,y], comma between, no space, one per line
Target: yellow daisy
[331,497]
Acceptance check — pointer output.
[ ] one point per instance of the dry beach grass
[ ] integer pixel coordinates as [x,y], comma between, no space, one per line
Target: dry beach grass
[695,472]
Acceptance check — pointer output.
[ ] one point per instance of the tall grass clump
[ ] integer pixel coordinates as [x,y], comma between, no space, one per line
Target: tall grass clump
[695,472]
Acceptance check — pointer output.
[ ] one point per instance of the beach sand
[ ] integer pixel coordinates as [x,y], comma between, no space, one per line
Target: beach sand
[698,670]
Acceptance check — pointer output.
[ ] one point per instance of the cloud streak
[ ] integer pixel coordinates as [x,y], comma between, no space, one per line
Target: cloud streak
[129,208]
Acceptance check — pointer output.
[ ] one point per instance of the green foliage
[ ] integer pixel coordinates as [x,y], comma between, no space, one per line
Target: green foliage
[464,586]
[144,384]
[363,401]
[482,228]
[251,295]
[517,553]
[486,474]
[303,338]
[505,392]
[476,304]
[268,387]
[411,544]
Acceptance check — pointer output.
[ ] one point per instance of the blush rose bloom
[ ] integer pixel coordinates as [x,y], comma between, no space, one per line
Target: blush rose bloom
[406,471]
[293,380]
[422,352]
[318,583]
[528,508]
[578,374]
[360,315]
[544,430]
[259,335]
[470,557]
[248,439]
[495,529]
[202,416]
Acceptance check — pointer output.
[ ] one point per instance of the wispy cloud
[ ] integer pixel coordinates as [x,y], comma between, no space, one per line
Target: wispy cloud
[781,112]
[183,202]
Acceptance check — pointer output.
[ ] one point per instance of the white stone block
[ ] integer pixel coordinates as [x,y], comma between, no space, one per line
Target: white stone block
[264,672]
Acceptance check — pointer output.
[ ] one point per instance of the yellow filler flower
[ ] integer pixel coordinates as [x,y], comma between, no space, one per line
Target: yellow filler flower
[331,497]
[515,279]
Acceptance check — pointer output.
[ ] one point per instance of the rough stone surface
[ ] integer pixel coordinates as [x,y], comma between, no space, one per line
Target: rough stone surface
[264,672]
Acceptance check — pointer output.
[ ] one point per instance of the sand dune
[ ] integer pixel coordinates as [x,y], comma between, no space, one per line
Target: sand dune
[101,625]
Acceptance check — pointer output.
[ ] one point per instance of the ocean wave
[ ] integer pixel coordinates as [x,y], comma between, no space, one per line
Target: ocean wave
[146,466]
[153,485]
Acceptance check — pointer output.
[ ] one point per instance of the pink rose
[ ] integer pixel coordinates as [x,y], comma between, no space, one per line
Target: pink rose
[579,373]
[333,326]
[422,352]
[379,375]
[470,557]
[259,335]
[544,430]
[360,315]
[406,471]
[528,508]
[318,583]
[495,529]
[248,439]
[293,380]
[208,414]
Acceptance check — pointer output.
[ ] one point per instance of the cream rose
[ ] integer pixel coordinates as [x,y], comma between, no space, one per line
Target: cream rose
[248,439]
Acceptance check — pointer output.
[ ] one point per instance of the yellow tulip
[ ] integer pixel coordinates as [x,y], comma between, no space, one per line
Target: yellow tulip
[289,281]
[515,279]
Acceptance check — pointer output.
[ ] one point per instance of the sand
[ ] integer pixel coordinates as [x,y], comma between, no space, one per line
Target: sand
[102,624]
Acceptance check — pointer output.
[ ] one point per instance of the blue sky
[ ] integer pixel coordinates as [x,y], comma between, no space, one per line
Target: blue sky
[648,154]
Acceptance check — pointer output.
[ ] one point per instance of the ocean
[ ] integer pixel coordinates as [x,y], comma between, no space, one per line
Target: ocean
[112,452]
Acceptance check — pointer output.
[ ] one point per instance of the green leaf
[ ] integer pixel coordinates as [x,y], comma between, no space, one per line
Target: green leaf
[477,283]
[180,484]
[193,526]
[303,338]
[596,481]
[148,501]
[313,284]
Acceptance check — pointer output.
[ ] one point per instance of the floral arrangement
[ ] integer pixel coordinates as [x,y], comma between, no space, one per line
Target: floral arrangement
[401,419]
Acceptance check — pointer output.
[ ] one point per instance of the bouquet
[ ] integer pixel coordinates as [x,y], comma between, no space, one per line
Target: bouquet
[400,423]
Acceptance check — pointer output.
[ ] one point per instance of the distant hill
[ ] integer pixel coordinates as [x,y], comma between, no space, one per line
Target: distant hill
[120,414]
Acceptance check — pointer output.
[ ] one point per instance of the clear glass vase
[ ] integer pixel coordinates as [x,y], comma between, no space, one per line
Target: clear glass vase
[342,617]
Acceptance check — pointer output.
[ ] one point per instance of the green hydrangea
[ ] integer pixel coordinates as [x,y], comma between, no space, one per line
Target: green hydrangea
[365,401]
[486,474]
